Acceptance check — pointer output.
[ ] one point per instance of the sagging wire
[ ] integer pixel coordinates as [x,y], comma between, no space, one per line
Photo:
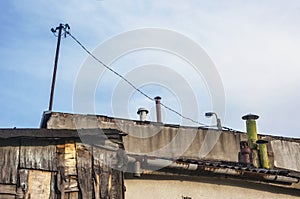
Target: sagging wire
[133,86]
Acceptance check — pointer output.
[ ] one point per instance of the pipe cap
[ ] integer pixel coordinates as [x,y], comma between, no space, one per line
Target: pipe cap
[261,142]
[157,98]
[250,117]
[141,110]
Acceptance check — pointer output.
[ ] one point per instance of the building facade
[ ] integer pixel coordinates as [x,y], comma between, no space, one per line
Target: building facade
[171,161]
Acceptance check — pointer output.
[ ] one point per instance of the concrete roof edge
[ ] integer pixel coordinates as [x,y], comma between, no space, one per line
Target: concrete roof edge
[273,137]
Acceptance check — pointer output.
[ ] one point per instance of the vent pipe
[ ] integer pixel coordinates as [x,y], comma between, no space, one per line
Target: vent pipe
[158,109]
[251,129]
[142,112]
[137,169]
[263,153]
[252,137]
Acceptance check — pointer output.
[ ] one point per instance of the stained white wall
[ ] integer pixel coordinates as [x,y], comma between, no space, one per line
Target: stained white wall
[286,154]
[210,189]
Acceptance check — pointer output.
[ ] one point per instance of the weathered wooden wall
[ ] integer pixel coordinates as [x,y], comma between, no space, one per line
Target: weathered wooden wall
[57,168]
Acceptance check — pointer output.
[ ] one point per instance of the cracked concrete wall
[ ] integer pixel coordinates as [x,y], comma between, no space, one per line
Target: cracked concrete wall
[171,141]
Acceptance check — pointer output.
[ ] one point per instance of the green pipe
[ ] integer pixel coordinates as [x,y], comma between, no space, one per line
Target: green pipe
[263,153]
[252,138]
[251,129]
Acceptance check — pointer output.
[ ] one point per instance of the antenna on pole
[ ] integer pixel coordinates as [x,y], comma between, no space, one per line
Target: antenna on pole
[60,28]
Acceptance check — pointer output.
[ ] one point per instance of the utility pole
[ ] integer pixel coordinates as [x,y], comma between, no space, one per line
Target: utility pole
[60,28]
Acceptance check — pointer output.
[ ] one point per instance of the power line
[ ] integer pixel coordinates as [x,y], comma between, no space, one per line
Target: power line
[131,84]
[187,118]
[106,66]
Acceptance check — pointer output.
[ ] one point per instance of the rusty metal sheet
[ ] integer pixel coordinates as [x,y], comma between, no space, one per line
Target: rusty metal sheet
[9,158]
[38,154]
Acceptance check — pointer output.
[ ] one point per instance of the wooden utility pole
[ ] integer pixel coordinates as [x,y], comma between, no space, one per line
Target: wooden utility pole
[60,28]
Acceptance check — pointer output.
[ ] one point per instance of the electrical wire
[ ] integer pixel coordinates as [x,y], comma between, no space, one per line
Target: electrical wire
[109,68]
[129,83]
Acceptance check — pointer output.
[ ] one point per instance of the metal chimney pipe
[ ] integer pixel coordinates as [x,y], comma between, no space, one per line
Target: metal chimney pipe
[251,129]
[137,169]
[158,109]
[142,112]
[252,137]
[263,153]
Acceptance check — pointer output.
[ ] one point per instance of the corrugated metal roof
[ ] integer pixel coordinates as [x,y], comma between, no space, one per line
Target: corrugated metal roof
[235,169]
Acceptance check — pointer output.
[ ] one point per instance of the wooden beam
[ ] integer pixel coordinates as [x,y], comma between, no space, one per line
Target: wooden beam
[59,133]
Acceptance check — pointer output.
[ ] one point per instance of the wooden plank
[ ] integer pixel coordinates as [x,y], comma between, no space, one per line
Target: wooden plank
[102,170]
[23,183]
[8,189]
[9,159]
[70,169]
[108,181]
[38,184]
[72,195]
[84,169]
[70,159]
[38,154]
[60,150]
[7,196]
[104,181]
[53,184]
[116,181]
[67,172]
[96,183]
[71,184]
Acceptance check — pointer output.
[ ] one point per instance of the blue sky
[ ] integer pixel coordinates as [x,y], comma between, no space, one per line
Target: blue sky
[254,45]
